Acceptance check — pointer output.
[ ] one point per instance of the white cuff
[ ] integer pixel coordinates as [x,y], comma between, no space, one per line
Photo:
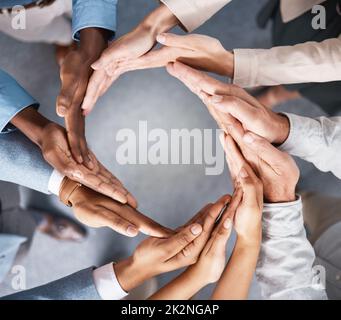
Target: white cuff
[55,182]
[282,219]
[107,284]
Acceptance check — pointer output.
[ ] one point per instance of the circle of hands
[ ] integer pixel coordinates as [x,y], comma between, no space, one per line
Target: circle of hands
[259,171]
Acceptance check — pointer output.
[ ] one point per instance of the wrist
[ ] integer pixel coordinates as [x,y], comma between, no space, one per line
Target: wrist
[197,275]
[228,58]
[249,243]
[159,21]
[282,129]
[32,124]
[289,196]
[129,274]
[93,41]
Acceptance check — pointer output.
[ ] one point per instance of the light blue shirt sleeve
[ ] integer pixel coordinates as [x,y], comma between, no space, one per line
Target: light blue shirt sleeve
[13,99]
[90,13]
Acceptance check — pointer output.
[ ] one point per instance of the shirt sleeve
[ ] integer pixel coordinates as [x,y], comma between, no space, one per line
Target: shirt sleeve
[90,13]
[315,140]
[107,284]
[55,182]
[306,62]
[285,266]
[13,99]
[193,13]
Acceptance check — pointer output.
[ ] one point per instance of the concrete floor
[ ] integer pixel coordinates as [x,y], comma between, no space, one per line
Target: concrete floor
[170,194]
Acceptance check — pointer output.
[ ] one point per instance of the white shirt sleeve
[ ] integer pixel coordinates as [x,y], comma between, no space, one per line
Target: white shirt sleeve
[285,266]
[107,284]
[55,182]
[304,62]
[315,140]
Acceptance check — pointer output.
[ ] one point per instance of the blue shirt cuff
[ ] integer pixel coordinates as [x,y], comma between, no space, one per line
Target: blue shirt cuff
[94,14]
[13,99]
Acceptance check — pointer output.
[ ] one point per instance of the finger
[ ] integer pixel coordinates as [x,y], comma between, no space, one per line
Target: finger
[182,239]
[243,111]
[198,216]
[64,99]
[219,238]
[108,56]
[265,150]
[252,187]
[72,122]
[93,90]
[102,217]
[234,155]
[177,41]
[154,59]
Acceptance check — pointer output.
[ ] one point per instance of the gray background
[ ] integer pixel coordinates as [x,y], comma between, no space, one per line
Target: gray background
[170,194]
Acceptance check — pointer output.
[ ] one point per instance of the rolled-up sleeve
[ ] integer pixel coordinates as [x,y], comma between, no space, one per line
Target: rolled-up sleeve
[13,99]
[95,14]
[193,13]
[306,62]
[285,265]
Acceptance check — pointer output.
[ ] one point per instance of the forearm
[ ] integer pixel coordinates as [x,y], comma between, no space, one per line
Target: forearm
[183,287]
[315,140]
[235,282]
[307,62]
[93,41]
[31,123]
[159,21]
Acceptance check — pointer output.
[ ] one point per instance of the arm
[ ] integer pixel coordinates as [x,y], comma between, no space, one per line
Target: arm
[78,286]
[21,162]
[315,140]
[284,270]
[307,62]
[193,13]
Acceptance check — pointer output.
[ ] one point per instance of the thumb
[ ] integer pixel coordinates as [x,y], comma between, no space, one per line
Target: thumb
[173,40]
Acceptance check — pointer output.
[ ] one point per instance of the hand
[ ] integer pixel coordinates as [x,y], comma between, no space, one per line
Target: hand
[131,46]
[277,170]
[248,216]
[96,210]
[56,152]
[212,260]
[156,256]
[75,73]
[52,140]
[198,51]
[229,102]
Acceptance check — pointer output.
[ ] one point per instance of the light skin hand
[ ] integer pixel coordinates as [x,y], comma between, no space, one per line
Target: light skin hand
[131,46]
[96,210]
[198,51]
[277,170]
[52,140]
[237,277]
[228,103]
[155,256]
[74,74]
[210,264]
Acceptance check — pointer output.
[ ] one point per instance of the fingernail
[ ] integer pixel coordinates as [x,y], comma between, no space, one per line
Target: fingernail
[96,65]
[243,173]
[228,223]
[132,231]
[248,138]
[196,229]
[62,111]
[161,39]
[77,174]
[80,159]
[217,99]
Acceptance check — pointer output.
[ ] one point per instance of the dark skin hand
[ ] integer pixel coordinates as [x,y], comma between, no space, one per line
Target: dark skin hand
[52,141]
[75,74]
